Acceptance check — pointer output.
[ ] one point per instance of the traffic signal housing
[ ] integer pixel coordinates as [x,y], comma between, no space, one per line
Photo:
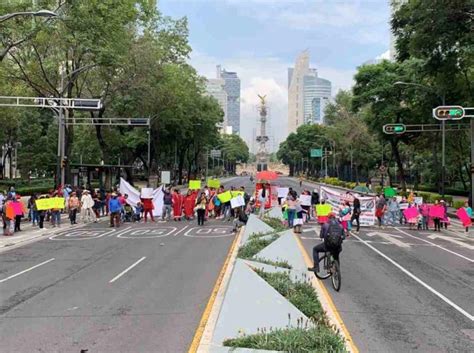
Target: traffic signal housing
[394,129]
[450,112]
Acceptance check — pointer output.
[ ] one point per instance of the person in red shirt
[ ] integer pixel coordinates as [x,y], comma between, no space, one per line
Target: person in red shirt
[148,208]
[189,201]
[178,200]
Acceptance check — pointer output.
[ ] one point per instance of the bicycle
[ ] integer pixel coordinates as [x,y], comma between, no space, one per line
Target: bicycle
[329,267]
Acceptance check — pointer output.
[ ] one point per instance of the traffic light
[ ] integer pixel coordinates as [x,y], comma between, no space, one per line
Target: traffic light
[450,112]
[394,129]
[63,163]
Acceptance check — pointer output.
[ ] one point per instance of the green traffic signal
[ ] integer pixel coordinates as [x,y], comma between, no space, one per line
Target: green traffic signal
[399,128]
[449,113]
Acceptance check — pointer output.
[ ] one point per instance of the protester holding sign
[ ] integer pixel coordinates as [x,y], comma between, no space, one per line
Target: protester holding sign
[465,215]
[437,213]
[200,208]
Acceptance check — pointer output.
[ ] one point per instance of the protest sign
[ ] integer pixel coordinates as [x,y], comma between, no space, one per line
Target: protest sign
[43,204]
[17,208]
[418,200]
[323,210]
[410,213]
[214,183]
[57,202]
[194,184]
[390,192]
[237,201]
[305,200]
[146,193]
[464,217]
[225,196]
[367,204]
[437,211]
[283,192]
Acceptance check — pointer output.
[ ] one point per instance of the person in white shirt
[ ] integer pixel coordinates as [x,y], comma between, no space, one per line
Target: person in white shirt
[87,204]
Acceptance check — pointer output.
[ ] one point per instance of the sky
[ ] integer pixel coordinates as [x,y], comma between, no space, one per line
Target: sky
[260,40]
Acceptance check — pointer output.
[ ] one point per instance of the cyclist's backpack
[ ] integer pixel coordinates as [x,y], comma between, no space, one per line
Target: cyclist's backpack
[333,239]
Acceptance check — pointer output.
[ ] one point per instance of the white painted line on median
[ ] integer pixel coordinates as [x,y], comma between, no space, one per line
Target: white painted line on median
[179,231]
[126,270]
[411,275]
[436,245]
[27,270]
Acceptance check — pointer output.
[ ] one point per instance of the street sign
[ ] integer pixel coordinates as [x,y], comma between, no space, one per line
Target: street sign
[316,152]
[394,129]
[449,112]
[216,153]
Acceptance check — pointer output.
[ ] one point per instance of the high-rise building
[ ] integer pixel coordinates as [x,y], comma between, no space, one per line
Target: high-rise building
[215,88]
[232,88]
[308,94]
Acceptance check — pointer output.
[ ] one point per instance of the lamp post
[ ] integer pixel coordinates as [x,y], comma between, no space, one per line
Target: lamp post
[40,13]
[442,99]
[333,142]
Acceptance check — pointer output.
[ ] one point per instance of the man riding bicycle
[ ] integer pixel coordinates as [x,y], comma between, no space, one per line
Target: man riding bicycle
[332,234]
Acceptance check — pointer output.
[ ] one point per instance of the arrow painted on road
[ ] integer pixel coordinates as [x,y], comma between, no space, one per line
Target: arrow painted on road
[450,239]
[392,238]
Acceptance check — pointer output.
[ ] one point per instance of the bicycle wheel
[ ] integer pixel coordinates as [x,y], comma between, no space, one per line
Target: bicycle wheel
[336,275]
[324,271]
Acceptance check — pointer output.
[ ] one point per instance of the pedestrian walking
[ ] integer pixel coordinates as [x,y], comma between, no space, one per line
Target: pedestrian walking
[73,206]
[115,208]
[262,198]
[291,209]
[356,211]
[87,203]
[200,208]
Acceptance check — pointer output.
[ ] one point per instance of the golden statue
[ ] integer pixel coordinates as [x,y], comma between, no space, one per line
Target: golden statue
[262,99]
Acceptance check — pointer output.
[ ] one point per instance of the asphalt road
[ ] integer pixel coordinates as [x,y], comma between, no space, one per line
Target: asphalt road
[140,288]
[405,291]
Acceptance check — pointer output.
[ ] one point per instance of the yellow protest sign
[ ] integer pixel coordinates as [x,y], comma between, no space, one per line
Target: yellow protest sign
[323,210]
[194,184]
[57,202]
[214,183]
[225,196]
[43,204]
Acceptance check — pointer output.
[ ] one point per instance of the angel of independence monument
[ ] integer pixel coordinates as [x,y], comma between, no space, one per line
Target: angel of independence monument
[262,139]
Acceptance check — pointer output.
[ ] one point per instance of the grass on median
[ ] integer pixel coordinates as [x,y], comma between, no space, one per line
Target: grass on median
[255,244]
[317,337]
[275,223]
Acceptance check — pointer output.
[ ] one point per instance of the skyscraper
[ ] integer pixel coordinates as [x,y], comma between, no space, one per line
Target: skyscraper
[232,88]
[215,88]
[308,94]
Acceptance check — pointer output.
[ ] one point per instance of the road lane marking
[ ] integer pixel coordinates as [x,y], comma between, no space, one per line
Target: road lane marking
[193,348]
[179,231]
[390,238]
[349,340]
[27,270]
[436,245]
[424,284]
[126,270]
[121,231]
[452,240]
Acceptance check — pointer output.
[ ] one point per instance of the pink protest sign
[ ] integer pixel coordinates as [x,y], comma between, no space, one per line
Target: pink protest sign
[410,213]
[17,208]
[437,211]
[464,217]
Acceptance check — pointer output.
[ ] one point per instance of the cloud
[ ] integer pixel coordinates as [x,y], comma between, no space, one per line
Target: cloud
[265,76]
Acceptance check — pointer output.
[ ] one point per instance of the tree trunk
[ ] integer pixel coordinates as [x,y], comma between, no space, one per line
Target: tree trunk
[401,170]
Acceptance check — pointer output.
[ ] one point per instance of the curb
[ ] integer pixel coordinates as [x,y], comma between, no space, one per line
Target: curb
[205,330]
[327,303]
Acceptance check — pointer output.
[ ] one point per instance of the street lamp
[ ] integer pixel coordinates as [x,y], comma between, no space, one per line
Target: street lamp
[40,13]
[442,99]
[333,150]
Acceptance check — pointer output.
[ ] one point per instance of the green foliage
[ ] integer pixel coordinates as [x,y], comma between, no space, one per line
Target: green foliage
[301,340]
[458,204]
[275,223]
[316,336]
[254,245]
[279,263]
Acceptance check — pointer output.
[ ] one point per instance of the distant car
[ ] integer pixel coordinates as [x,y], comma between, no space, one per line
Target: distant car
[244,173]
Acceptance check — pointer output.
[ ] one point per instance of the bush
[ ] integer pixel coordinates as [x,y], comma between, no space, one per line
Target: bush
[275,223]
[27,191]
[254,245]
[278,263]
[458,204]
[319,337]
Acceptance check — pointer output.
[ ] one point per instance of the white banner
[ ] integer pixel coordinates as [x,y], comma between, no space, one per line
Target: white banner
[283,192]
[305,200]
[334,197]
[134,196]
[147,193]
[237,201]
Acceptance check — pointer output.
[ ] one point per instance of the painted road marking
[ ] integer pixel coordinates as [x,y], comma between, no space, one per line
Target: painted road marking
[436,245]
[212,232]
[391,238]
[424,284]
[126,270]
[27,270]
[121,231]
[452,240]
[147,233]
[179,231]
[82,234]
